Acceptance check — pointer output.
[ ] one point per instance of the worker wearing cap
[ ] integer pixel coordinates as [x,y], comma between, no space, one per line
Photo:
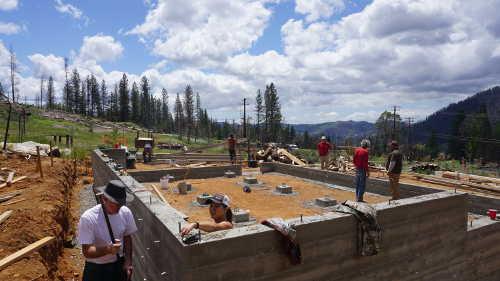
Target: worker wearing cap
[221,213]
[360,161]
[394,165]
[105,259]
[323,150]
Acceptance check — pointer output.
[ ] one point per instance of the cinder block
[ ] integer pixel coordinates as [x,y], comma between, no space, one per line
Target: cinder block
[325,202]
[202,199]
[250,180]
[241,216]
[284,189]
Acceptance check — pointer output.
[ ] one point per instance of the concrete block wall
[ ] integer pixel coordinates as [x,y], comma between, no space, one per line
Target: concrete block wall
[477,204]
[483,250]
[424,238]
[185,173]
[117,154]
[419,243]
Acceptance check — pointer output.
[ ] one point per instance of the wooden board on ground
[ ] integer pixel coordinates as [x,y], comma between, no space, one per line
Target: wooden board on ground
[14,181]
[291,157]
[5,215]
[8,197]
[158,193]
[13,202]
[25,251]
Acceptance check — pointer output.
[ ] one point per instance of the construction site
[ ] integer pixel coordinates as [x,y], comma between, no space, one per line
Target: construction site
[250,140]
[440,229]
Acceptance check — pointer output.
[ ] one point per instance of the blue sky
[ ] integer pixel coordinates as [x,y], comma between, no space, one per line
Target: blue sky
[330,59]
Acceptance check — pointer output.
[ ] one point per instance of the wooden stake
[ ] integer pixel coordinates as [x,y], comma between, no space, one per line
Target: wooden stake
[5,215]
[51,156]
[39,161]
[25,251]
[10,178]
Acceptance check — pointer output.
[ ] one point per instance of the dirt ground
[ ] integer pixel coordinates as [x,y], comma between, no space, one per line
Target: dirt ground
[262,201]
[46,211]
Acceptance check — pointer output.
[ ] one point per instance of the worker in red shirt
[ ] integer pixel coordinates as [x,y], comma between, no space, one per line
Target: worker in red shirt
[231,147]
[360,161]
[323,150]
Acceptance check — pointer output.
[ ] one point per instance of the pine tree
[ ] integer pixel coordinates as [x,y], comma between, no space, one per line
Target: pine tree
[50,94]
[165,113]
[179,116]
[145,103]
[259,114]
[82,101]
[272,114]
[124,98]
[104,98]
[95,97]
[135,104]
[74,92]
[198,117]
[114,105]
[189,111]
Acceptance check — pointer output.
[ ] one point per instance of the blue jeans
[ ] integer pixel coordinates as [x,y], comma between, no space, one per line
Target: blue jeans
[360,184]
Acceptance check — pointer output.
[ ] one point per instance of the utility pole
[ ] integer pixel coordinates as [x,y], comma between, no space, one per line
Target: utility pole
[41,91]
[395,108]
[245,127]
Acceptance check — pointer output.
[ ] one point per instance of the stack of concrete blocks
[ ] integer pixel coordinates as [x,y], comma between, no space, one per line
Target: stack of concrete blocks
[284,189]
[184,187]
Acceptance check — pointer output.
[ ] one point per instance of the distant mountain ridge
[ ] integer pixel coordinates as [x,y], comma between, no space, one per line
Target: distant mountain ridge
[441,121]
[339,129]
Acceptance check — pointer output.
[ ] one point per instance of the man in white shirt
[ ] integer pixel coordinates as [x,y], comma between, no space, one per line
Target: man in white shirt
[108,258]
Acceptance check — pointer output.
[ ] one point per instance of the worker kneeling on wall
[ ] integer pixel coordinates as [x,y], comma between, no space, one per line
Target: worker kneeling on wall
[221,213]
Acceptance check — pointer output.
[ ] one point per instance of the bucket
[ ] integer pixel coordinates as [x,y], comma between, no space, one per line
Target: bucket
[492,213]
[164,182]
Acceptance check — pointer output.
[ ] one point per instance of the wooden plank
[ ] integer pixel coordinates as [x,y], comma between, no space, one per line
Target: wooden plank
[25,251]
[7,197]
[158,193]
[5,215]
[162,198]
[10,178]
[14,181]
[13,202]
[291,157]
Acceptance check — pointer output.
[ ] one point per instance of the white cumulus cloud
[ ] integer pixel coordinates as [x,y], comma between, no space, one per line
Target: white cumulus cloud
[202,32]
[317,9]
[71,10]
[7,5]
[9,28]
[100,48]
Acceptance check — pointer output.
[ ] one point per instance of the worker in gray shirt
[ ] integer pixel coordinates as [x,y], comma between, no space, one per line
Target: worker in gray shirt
[394,165]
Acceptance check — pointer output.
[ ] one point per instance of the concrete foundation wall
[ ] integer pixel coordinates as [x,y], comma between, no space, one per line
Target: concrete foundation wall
[185,173]
[424,238]
[116,154]
[477,204]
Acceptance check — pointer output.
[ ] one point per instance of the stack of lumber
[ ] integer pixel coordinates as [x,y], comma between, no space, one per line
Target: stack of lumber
[447,179]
